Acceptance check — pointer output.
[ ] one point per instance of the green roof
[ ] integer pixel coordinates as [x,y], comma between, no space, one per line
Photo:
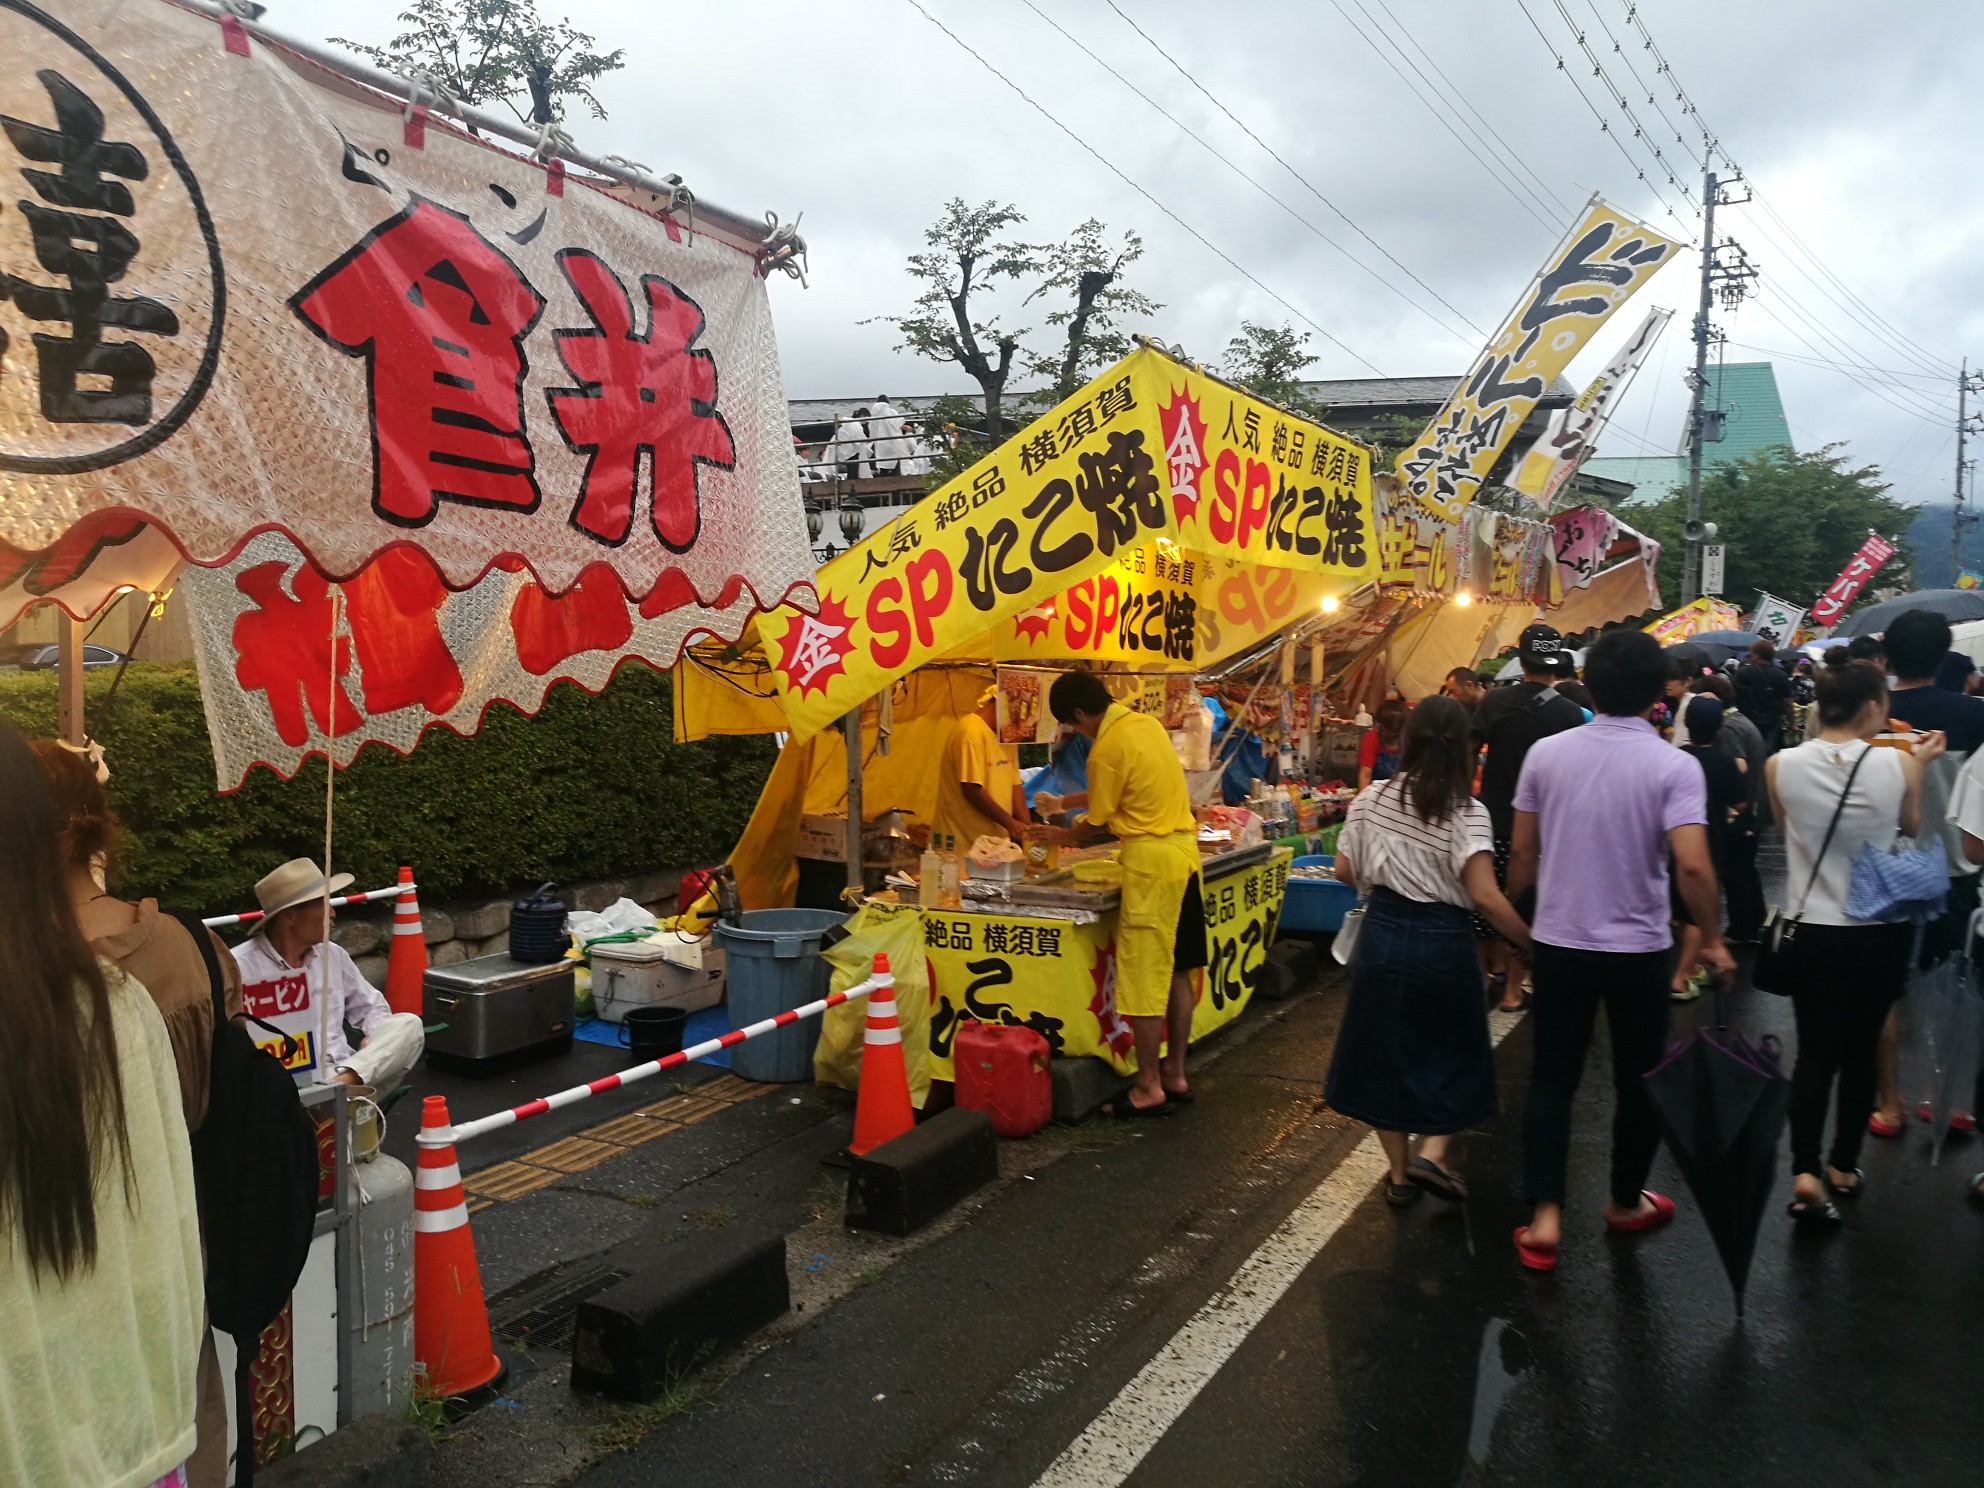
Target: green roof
[1753,420]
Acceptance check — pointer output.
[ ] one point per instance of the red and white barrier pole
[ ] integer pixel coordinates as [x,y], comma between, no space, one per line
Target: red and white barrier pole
[220,922]
[736,1036]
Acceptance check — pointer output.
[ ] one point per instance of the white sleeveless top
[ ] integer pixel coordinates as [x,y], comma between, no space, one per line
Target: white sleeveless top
[1809,780]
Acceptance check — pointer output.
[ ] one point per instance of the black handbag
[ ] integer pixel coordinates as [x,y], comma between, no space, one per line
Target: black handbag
[1773,971]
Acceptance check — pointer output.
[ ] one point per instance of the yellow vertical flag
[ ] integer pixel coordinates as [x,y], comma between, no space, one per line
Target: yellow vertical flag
[1599,266]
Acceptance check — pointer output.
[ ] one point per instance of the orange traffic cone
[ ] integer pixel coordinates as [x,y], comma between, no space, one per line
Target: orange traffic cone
[450,1320]
[406,966]
[881,1110]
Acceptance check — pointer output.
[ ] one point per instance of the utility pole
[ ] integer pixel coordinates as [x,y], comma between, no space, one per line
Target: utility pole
[1961,516]
[1729,279]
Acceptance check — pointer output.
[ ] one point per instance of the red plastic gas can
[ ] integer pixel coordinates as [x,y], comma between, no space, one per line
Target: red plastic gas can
[1003,1072]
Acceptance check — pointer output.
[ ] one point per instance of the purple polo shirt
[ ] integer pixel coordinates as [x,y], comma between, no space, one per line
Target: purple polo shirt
[1605,797]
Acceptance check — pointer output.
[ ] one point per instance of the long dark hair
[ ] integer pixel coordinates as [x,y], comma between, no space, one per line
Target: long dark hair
[62,1101]
[1437,764]
[1389,720]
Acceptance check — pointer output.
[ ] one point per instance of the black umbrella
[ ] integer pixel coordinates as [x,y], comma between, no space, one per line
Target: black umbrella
[1722,1101]
[1723,644]
[1952,604]
[1692,655]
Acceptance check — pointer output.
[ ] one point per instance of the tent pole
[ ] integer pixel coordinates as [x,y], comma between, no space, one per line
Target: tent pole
[69,679]
[851,729]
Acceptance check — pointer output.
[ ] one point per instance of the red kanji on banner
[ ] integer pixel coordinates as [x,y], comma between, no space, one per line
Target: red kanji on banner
[395,608]
[440,316]
[283,647]
[639,394]
[593,615]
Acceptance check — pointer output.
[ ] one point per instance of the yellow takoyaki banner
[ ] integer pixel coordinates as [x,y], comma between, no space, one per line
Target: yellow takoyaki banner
[1151,457]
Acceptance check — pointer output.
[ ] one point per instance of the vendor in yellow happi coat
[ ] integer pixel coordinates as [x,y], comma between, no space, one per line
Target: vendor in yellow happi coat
[978,780]
[1137,792]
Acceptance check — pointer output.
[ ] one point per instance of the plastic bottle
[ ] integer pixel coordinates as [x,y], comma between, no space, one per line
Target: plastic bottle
[930,873]
[952,877]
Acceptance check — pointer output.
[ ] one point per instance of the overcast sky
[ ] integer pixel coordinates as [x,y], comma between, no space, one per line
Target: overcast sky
[1857,127]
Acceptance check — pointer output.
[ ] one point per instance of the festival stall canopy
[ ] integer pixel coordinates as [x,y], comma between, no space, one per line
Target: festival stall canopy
[304,332]
[254,298]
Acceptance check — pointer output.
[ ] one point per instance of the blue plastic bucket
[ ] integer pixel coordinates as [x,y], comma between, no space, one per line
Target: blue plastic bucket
[772,964]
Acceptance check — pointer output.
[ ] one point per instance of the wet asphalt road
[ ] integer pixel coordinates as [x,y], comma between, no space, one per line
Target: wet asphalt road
[1411,1350]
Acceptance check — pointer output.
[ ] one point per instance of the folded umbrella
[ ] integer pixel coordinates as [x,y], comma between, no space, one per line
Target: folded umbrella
[1722,1102]
[1944,1002]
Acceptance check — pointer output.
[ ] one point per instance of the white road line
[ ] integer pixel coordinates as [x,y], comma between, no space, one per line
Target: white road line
[1105,1454]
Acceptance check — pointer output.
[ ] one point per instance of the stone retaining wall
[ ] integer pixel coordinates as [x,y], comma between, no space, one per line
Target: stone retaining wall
[469,928]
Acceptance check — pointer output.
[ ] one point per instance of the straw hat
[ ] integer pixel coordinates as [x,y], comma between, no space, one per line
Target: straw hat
[298,881]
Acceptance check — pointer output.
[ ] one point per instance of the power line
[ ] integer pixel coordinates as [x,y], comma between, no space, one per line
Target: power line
[1258,186]
[1275,155]
[1115,171]
[1510,184]
[1604,124]
[1879,390]
[1549,192]
[1852,368]
[1894,337]
[1639,84]
[1619,97]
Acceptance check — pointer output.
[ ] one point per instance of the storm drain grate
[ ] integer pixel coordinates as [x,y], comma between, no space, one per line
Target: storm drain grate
[544,1314]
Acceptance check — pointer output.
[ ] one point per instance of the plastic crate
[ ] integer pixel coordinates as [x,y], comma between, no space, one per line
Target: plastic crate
[1316,905]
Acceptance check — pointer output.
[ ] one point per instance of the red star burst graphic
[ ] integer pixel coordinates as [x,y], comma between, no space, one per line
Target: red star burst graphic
[1115,1029]
[1033,625]
[816,646]
[1184,450]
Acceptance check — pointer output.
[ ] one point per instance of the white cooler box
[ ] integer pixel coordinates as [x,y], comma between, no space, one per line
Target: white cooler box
[687,974]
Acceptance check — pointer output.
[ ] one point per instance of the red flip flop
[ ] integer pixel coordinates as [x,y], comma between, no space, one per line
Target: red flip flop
[1963,1121]
[1534,1257]
[1663,1210]
[1882,1128]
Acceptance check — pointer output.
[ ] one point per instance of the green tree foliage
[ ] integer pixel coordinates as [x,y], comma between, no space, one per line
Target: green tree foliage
[960,272]
[1088,272]
[497,51]
[1268,361]
[589,788]
[955,320]
[1789,520]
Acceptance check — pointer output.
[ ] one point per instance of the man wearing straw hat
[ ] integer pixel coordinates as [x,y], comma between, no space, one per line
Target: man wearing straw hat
[290,964]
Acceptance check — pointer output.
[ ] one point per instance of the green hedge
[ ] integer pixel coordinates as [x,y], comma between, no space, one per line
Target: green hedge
[591,787]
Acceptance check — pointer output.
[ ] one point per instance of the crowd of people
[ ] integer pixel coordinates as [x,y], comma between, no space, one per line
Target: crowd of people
[110,1375]
[1591,841]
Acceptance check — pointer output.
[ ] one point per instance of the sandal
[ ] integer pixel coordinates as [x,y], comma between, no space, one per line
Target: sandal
[1398,1195]
[1128,1110]
[1180,1097]
[1847,1190]
[1809,1212]
[1441,1182]
[1663,1210]
[1880,1128]
[1534,1257]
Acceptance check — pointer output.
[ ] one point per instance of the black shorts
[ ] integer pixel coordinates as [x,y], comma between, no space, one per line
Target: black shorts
[1189,953]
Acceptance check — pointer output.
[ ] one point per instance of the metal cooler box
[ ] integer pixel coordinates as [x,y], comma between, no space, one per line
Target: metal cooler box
[499,1009]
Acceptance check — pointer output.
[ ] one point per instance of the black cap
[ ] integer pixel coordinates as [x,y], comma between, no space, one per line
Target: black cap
[1539,644]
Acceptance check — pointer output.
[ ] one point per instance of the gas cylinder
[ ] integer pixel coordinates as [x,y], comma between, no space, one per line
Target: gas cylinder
[1004,1073]
[381,1316]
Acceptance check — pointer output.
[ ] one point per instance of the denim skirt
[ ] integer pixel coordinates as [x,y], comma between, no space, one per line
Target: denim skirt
[1414,1053]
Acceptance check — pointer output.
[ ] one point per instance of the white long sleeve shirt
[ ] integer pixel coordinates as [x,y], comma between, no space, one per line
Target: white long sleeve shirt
[277,991]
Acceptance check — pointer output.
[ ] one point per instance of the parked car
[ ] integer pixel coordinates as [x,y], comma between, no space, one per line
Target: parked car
[43,658]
